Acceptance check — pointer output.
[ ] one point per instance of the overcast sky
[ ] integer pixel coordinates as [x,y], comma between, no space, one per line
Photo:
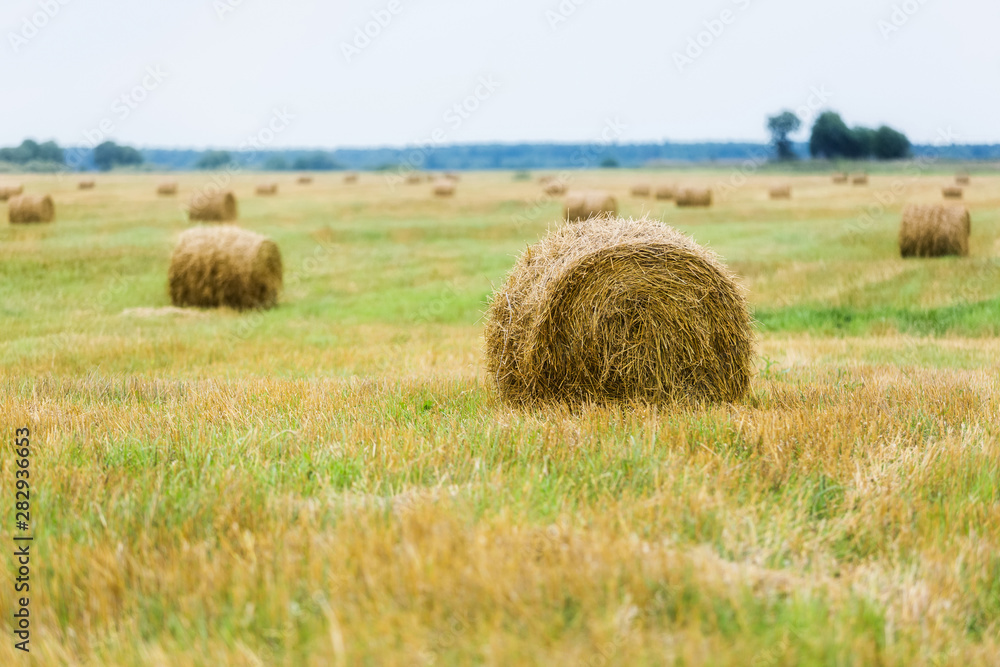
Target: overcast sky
[199,73]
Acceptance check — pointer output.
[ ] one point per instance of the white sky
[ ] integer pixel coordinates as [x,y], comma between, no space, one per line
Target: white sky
[610,59]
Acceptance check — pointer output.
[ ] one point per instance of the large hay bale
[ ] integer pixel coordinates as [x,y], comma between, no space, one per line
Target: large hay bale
[951,192]
[840,179]
[962,179]
[554,188]
[222,265]
[267,189]
[87,184]
[619,310]
[8,190]
[641,190]
[665,192]
[781,192]
[167,188]
[444,188]
[587,204]
[31,208]
[305,180]
[859,179]
[934,230]
[213,207]
[351,177]
[694,197]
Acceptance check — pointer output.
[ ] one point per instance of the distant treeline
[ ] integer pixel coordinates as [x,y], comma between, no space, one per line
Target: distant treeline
[34,156]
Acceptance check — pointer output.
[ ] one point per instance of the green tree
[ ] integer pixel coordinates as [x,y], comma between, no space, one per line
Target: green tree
[609,163]
[109,155]
[831,138]
[31,151]
[780,126]
[276,163]
[315,161]
[213,160]
[889,144]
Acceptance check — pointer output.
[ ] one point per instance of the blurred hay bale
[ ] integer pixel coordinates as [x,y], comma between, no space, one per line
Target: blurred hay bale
[87,184]
[351,177]
[8,190]
[452,176]
[587,204]
[545,178]
[859,179]
[305,179]
[267,189]
[952,192]
[840,179]
[619,310]
[934,230]
[213,207]
[962,179]
[222,265]
[413,178]
[641,190]
[694,197]
[665,192]
[31,208]
[167,188]
[444,188]
[781,192]
[554,188]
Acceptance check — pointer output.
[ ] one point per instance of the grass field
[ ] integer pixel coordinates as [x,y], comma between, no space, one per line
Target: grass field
[336,482]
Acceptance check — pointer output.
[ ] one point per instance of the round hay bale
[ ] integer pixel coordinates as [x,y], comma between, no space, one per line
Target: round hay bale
[86,184]
[444,188]
[840,179]
[167,189]
[952,192]
[8,190]
[641,190]
[305,180]
[452,176]
[665,192]
[545,178]
[619,310]
[267,189]
[694,197]
[554,188]
[934,230]
[351,177]
[413,178]
[962,179]
[781,192]
[588,204]
[859,179]
[223,265]
[209,207]
[31,208]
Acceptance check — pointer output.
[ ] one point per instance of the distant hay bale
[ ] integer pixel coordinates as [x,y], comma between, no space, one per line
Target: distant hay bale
[554,188]
[267,189]
[452,176]
[781,192]
[305,180]
[545,178]
[694,197]
[414,178]
[87,184]
[444,188]
[31,208]
[934,230]
[952,192]
[619,310]
[167,189]
[859,179]
[213,207]
[665,192]
[640,190]
[351,177]
[8,190]
[588,204]
[962,179]
[840,179]
[222,265]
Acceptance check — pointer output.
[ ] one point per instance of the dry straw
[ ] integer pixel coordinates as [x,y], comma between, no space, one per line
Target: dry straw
[641,190]
[781,192]
[31,208]
[619,310]
[840,179]
[305,180]
[217,207]
[167,189]
[224,266]
[8,190]
[860,179]
[267,189]
[86,185]
[962,179]
[934,230]
[444,188]
[694,197]
[952,192]
[587,204]
[554,188]
[665,192]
